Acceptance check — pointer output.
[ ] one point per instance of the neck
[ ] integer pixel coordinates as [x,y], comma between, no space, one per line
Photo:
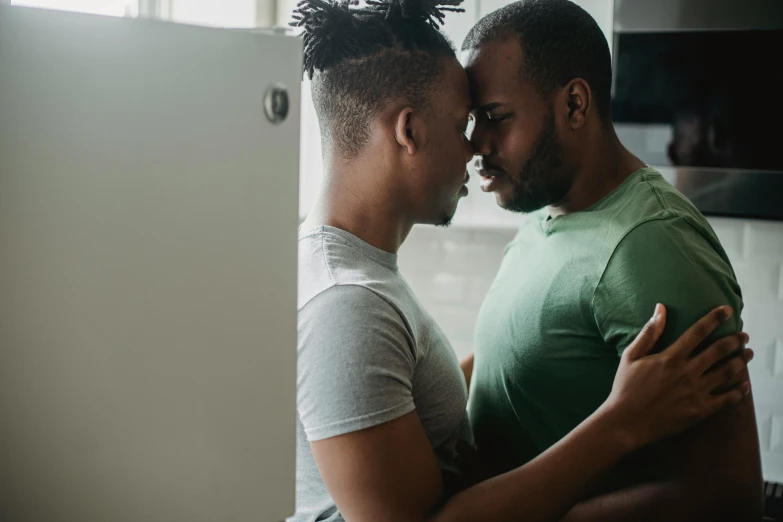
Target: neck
[604,165]
[355,197]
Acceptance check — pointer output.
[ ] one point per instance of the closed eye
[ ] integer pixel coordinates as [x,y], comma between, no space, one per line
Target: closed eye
[499,117]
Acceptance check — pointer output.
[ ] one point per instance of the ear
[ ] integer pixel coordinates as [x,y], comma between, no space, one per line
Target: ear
[404,130]
[579,101]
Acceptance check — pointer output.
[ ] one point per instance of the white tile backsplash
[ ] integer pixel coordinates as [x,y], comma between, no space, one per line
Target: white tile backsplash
[776,435]
[448,288]
[763,240]
[451,270]
[780,282]
[757,276]
[477,290]
[730,232]
[765,432]
[776,364]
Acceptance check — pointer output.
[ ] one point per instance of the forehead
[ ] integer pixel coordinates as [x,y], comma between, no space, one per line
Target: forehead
[454,89]
[494,71]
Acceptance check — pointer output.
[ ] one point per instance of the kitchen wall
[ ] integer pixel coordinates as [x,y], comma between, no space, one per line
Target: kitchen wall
[451,270]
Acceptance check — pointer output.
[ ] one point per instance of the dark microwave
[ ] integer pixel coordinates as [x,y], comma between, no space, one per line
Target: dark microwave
[698,93]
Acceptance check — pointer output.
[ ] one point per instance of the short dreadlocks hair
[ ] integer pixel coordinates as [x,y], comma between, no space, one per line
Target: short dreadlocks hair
[560,42]
[360,58]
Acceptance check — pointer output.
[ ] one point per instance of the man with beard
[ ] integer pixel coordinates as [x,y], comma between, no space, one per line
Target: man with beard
[606,238]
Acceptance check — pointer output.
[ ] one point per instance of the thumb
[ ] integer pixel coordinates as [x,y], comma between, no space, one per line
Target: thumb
[649,335]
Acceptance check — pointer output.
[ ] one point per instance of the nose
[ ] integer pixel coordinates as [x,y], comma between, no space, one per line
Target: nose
[479,140]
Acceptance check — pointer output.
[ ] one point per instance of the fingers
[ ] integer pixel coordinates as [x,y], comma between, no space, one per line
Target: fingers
[730,398]
[719,350]
[697,333]
[727,375]
[649,335]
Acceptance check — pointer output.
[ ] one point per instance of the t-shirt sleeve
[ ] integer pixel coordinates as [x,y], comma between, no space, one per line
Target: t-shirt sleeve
[670,262]
[356,361]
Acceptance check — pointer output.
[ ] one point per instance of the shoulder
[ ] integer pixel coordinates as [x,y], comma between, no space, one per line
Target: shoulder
[314,273]
[328,258]
[675,260]
[674,237]
[652,211]
[350,304]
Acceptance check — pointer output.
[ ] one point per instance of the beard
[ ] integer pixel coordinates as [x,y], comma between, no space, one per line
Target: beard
[445,221]
[542,180]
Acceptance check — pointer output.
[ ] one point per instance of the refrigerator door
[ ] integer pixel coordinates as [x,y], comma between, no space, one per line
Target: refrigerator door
[148,224]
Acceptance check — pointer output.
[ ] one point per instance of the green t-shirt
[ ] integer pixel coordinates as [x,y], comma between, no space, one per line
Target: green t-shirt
[571,294]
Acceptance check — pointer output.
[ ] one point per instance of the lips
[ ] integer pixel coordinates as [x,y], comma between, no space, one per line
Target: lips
[490,183]
[491,175]
[486,173]
[488,169]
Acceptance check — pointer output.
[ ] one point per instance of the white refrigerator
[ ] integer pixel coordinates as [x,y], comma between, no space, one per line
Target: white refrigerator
[148,217]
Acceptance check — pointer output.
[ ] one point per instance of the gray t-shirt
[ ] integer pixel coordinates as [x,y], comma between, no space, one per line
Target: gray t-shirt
[368,353]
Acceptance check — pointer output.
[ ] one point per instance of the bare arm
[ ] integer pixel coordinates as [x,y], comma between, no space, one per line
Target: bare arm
[389,472]
[712,471]
[707,482]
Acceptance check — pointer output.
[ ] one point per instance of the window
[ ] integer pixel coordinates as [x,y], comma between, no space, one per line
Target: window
[102,7]
[218,13]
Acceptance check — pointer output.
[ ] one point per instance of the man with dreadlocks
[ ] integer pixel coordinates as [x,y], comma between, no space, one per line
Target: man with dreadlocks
[381,397]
